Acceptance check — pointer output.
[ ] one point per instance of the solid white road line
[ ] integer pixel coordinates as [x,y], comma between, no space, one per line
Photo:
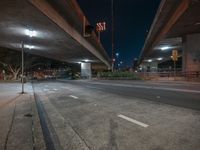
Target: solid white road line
[92,87]
[72,96]
[133,121]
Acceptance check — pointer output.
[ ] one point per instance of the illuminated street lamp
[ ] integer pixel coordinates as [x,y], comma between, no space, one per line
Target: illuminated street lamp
[160,59]
[30,33]
[86,60]
[165,48]
[29,46]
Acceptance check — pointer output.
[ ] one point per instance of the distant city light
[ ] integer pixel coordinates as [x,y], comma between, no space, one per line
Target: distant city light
[165,48]
[160,59]
[150,60]
[121,62]
[30,33]
[117,54]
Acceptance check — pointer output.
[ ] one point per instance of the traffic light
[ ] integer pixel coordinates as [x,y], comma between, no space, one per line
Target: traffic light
[87,28]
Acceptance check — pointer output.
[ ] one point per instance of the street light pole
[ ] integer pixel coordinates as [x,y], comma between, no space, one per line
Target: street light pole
[113,36]
[22,77]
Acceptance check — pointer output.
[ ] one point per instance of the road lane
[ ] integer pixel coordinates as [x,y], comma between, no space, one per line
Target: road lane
[93,119]
[173,97]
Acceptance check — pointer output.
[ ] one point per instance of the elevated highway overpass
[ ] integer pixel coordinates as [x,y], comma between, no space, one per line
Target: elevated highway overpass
[176,26]
[50,28]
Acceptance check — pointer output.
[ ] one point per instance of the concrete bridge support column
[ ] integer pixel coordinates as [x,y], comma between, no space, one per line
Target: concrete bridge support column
[191,53]
[153,66]
[150,67]
[86,71]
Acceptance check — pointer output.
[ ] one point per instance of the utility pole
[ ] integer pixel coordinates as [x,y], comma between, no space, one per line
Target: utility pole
[113,34]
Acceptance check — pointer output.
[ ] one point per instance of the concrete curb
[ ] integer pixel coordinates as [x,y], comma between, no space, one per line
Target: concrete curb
[38,138]
[21,124]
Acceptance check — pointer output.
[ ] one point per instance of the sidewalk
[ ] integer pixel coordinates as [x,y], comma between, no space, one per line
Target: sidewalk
[19,121]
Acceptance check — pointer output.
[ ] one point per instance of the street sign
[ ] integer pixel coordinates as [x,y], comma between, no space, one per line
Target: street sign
[174,58]
[174,53]
[101,26]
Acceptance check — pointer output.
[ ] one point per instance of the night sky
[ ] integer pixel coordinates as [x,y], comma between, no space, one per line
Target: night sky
[133,19]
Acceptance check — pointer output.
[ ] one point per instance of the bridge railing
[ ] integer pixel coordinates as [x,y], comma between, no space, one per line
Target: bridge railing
[171,75]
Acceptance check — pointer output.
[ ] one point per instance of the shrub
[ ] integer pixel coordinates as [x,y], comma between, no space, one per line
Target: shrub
[116,75]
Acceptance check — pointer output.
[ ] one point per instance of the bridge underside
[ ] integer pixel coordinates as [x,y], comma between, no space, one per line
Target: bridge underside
[174,27]
[18,17]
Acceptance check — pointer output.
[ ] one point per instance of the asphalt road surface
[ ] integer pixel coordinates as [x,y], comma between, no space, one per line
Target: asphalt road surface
[119,115]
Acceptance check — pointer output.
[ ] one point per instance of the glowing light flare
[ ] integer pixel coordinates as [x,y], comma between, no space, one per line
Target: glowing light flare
[29,46]
[86,60]
[165,48]
[160,59]
[30,33]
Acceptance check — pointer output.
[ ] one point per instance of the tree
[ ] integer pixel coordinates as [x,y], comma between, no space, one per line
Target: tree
[10,61]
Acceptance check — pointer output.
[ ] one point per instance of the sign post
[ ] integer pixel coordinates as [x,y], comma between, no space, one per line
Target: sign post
[174,58]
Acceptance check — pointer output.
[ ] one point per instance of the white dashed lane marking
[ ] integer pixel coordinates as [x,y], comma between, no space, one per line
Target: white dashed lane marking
[133,121]
[72,96]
